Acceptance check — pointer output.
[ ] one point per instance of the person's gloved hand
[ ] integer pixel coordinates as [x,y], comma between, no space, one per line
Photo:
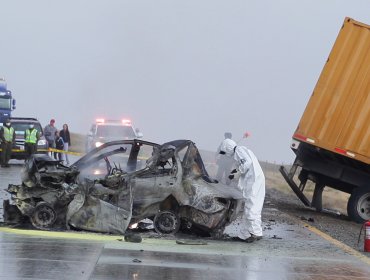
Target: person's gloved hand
[234,171]
[231,176]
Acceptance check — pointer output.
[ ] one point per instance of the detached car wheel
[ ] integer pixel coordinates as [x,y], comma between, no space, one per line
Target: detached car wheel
[166,222]
[358,207]
[44,216]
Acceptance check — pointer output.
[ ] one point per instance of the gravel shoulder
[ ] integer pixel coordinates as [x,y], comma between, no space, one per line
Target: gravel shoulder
[336,225]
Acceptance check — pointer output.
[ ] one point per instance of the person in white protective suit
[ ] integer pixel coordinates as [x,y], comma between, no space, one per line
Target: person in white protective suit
[224,164]
[251,184]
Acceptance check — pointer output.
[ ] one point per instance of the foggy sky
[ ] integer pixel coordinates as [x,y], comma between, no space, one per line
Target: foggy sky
[177,69]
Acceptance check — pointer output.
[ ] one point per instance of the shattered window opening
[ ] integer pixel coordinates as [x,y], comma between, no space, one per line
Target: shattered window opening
[182,153]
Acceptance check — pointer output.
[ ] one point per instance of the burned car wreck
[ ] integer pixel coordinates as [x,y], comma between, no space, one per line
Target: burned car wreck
[121,183]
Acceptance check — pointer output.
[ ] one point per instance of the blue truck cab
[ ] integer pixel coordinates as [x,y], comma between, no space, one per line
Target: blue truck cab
[7,103]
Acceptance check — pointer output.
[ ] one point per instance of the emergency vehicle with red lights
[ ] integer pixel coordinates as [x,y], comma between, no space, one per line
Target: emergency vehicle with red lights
[103,131]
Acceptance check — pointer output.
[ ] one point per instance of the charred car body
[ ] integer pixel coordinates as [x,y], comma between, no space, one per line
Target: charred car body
[121,183]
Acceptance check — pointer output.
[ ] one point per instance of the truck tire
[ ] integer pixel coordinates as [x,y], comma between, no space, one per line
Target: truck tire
[358,207]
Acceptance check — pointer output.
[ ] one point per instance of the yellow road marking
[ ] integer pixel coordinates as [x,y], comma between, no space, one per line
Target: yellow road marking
[84,236]
[62,234]
[103,237]
[337,243]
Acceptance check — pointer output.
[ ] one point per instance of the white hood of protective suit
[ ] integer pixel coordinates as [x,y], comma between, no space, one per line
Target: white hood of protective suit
[228,146]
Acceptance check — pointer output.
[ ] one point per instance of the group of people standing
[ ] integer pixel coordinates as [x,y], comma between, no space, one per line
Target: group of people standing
[59,140]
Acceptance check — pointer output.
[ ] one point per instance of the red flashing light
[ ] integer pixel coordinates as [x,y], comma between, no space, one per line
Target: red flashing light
[100,120]
[126,122]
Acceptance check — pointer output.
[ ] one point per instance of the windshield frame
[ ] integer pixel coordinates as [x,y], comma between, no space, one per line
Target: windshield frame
[115,131]
[25,125]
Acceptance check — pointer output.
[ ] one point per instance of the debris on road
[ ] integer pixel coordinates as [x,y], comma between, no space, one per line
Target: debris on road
[312,220]
[276,237]
[191,242]
[134,238]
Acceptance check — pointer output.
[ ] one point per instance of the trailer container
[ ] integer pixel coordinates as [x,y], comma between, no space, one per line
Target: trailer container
[332,140]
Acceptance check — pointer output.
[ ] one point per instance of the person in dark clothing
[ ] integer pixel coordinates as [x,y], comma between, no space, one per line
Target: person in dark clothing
[59,145]
[67,141]
[7,138]
[31,137]
[49,132]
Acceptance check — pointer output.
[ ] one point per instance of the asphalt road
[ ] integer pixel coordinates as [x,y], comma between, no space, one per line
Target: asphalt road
[297,244]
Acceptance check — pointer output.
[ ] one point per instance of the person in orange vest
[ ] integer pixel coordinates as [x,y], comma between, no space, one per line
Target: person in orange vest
[31,137]
[7,137]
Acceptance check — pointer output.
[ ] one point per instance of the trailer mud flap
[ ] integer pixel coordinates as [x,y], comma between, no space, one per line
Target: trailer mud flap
[294,186]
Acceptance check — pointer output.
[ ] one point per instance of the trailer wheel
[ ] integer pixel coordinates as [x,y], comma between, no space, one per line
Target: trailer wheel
[358,207]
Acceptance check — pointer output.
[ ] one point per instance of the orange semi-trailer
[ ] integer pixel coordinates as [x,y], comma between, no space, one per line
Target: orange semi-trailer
[332,140]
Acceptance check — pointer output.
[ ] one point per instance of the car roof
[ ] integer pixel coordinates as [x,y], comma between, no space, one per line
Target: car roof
[24,120]
[95,151]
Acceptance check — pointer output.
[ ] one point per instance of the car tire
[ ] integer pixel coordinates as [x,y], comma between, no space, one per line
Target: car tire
[358,207]
[44,216]
[166,222]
